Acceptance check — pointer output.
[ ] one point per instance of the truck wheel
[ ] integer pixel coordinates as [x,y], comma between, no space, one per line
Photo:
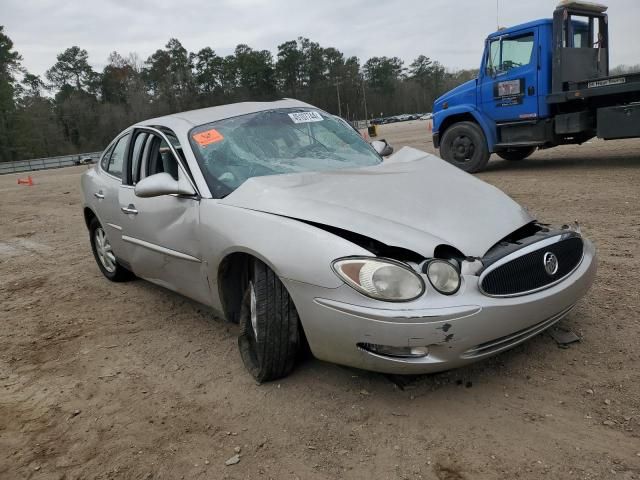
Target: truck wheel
[515,154]
[269,339]
[463,145]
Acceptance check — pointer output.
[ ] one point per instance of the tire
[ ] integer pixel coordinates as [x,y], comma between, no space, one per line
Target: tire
[464,145]
[269,344]
[109,266]
[516,154]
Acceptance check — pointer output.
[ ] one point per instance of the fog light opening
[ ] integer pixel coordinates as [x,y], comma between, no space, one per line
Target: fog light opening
[397,352]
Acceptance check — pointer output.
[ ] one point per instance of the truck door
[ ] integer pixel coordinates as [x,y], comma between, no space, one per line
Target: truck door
[509,88]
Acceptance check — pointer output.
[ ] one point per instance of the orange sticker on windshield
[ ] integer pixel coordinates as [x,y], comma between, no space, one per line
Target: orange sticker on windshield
[208,137]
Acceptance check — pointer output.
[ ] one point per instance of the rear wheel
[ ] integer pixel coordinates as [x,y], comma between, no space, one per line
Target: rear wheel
[464,145]
[515,154]
[269,338]
[105,258]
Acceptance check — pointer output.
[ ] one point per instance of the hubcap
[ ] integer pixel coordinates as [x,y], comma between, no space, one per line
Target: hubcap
[103,249]
[463,148]
[254,310]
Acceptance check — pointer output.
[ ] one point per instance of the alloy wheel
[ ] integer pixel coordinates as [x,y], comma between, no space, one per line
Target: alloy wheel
[104,251]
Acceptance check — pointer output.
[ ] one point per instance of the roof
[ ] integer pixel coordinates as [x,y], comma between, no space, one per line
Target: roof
[193,118]
[522,26]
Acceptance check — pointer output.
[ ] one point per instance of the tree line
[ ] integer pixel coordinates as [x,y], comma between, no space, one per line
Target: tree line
[77,109]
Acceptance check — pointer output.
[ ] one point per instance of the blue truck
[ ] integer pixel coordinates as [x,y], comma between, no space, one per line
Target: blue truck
[541,84]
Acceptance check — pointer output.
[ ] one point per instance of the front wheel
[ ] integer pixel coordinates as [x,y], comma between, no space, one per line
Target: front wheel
[269,338]
[104,255]
[515,154]
[464,145]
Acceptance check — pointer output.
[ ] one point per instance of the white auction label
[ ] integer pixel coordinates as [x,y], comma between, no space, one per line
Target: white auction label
[305,117]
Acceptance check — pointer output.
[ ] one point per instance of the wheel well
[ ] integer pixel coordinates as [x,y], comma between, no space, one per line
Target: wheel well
[88,216]
[233,276]
[460,117]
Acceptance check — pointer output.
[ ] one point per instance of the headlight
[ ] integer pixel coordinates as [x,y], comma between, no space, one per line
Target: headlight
[380,279]
[444,277]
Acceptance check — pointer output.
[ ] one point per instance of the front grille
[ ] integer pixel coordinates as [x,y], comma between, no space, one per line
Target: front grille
[527,272]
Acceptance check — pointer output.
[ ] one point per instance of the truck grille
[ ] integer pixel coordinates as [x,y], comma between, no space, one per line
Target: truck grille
[526,272]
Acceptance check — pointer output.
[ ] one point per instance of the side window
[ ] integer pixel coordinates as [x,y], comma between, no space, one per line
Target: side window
[508,53]
[516,52]
[116,160]
[136,155]
[161,159]
[104,163]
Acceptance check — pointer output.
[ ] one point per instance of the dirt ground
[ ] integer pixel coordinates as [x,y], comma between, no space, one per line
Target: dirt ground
[103,380]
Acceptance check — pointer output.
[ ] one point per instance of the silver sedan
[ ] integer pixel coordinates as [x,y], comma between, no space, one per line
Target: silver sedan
[283,219]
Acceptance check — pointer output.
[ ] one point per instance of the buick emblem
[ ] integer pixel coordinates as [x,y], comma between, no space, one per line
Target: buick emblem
[550,263]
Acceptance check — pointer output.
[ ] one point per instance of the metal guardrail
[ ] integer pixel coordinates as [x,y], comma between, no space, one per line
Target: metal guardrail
[46,163]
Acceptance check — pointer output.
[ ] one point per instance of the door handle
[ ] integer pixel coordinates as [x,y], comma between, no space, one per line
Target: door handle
[531,90]
[130,209]
[99,195]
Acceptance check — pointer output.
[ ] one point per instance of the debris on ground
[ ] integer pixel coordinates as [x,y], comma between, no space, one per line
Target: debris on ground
[563,336]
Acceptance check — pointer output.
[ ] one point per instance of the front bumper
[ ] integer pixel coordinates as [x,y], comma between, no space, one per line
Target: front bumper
[457,329]
[436,139]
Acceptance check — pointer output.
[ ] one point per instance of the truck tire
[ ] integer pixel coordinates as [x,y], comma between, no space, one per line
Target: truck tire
[516,154]
[269,338]
[465,146]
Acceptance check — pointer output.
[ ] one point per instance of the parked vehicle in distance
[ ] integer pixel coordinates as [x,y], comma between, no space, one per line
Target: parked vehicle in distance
[283,219]
[426,116]
[83,161]
[541,84]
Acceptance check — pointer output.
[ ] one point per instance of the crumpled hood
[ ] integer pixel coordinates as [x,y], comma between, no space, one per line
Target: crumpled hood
[412,200]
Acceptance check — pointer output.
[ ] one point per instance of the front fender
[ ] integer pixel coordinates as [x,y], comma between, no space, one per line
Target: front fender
[487,125]
[294,250]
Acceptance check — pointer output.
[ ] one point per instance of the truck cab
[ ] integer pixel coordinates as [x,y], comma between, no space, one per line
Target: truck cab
[540,84]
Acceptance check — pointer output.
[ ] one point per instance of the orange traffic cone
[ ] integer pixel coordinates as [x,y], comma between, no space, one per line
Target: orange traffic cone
[28,181]
[429,126]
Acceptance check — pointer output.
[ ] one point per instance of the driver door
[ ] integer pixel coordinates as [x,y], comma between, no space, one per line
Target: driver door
[509,89]
[162,232]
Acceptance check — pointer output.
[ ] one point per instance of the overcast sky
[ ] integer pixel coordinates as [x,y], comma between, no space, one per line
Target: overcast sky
[450,31]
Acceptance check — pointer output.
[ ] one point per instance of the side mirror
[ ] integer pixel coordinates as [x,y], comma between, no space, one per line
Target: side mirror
[382,147]
[162,184]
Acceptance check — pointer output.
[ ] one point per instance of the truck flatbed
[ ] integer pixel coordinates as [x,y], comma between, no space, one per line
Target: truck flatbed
[607,86]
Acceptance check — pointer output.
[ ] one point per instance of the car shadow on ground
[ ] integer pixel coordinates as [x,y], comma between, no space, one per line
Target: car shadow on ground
[565,163]
[340,377]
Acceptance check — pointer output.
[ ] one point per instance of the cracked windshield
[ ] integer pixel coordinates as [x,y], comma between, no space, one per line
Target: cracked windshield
[275,142]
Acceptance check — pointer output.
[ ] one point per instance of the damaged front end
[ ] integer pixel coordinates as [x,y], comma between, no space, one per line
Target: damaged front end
[441,330]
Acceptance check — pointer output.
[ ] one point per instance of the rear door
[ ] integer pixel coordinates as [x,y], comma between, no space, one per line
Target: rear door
[509,89]
[162,233]
[106,193]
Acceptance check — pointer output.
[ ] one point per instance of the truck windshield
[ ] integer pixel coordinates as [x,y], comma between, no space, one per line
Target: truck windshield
[274,142]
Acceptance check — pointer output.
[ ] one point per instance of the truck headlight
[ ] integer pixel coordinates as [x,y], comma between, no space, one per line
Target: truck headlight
[381,279]
[444,276]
